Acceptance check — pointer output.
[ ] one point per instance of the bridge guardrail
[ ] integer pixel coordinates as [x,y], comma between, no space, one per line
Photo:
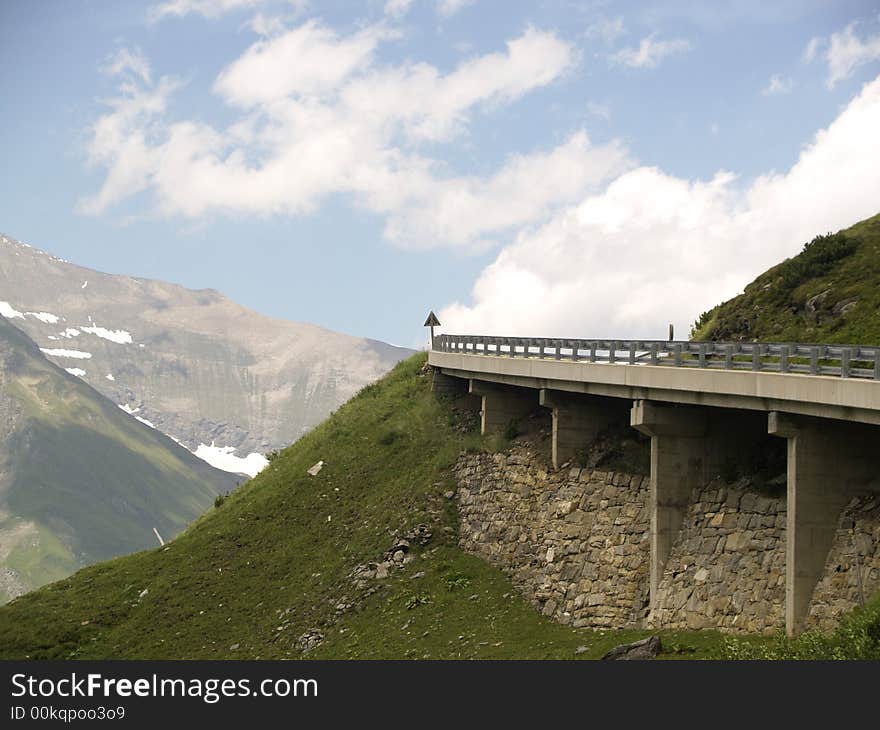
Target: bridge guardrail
[846,361]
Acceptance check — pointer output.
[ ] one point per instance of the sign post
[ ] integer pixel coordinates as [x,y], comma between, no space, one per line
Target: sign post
[432,322]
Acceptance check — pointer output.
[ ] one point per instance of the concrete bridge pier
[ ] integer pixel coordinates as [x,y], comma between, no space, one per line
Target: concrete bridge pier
[447,385]
[501,404]
[828,463]
[456,389]
[578,420]
[678,447]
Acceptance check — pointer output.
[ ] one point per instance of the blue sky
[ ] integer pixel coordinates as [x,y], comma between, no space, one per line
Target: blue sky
[580,168]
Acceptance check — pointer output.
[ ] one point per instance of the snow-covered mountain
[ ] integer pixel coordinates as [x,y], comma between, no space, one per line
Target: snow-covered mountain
[226,382]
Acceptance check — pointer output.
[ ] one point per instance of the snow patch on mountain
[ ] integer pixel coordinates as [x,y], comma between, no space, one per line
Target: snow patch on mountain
[223,457]
[121,337]
[77,354]
[134,412]
[79,372]
[8,311]
[70,332]
[109,376]
[45,317]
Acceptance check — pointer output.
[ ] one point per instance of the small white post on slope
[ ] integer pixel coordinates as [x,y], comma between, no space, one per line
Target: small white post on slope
[159,537]
[432,322]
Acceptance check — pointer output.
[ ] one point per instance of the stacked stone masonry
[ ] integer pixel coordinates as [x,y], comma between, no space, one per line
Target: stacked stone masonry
[575,542]
[855,552]
[727,566]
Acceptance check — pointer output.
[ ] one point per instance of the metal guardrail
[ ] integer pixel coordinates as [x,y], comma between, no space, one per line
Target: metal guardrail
[846,361]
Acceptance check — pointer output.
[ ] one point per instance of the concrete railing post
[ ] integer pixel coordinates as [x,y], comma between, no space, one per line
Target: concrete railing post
[678,436]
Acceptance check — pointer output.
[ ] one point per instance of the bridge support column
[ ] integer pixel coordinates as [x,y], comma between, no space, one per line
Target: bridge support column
[448,385]
[501,404]
[678,446]
[578,420]
[828,463]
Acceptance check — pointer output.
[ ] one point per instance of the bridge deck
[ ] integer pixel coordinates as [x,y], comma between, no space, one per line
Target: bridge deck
[824,396]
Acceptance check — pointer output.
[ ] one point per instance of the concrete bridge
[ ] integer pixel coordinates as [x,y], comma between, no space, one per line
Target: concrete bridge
[700,404]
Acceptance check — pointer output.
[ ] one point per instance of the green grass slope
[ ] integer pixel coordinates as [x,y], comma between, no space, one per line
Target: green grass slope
[276,563]
[80,481]
[830,293]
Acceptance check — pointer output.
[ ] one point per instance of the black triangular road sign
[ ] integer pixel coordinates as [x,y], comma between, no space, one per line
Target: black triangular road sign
[432,320]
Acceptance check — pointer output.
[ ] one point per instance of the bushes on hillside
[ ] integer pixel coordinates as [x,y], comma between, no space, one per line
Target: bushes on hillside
[816,259]
[770,306]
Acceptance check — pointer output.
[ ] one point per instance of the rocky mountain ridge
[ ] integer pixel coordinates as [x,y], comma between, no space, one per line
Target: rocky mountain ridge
[226,382]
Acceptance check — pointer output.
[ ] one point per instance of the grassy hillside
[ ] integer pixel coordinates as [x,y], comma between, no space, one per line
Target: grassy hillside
[277,563]
[830,292]
[81,481]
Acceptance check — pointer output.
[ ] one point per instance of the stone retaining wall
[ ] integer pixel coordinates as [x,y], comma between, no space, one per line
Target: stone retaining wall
[856,545]
[574,541]
[727,565]
[576,544]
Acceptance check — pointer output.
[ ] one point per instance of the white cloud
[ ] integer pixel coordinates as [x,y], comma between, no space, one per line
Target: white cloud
[846,52]
[650,52]
[652,248]
[436,106]
[213,9]
[609,30]
[123,142]
[207,8]
[320,116]
[463,211]
[267,25]
[778,85]
[309,59]
[397,8]
[128,61]
[448,8]
[812,49]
